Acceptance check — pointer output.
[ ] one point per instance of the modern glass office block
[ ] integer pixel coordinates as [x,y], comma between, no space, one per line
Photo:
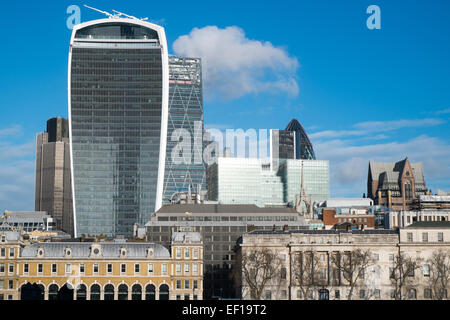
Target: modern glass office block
[316,179]
[185,121]
[118,105]
[244,181]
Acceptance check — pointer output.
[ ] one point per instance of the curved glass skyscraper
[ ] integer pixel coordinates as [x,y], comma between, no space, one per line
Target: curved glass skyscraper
[303,147]
[118,110]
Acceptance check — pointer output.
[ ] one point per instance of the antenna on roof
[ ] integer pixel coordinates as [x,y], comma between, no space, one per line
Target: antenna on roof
[104,12]
[128,16]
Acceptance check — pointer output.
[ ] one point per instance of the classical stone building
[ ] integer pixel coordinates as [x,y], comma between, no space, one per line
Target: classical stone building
[328,251]
[395,184]
[101,270]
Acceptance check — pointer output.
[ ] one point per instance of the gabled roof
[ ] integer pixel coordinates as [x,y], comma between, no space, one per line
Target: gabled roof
[393,169]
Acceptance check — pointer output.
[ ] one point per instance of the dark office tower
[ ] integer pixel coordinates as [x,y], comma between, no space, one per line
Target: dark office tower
[53,186]
[303,147]
[118,110]
[184,155]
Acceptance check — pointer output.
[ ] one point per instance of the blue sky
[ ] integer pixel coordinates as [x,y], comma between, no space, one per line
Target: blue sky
[360,94]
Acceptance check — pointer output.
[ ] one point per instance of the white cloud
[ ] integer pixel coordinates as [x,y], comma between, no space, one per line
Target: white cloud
[234,65]
[370,127]
[349,163]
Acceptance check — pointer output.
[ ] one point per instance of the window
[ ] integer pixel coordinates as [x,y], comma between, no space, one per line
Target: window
[178,284]
[410,236]
[426,270]
[283,273]
[337,294]
[322,273]
[310,294]
[283,294]
[391,257]
[3,238]
[427,293]
[2,267]
[11,252]
[68,268]
[195,284]
[195,268]
[440,237]
[393,294]
[410,272]
[425,236]
[178,268]
[186,297]
[376,257]
[412,294]
[2,284]
[299,294]
[283,257]
[11,268]
[196,253]
[95,268]
[362,294]
[195,297]
[109,268]
[178,297]
[150,268]
[54,268]
[10,297]
[25,268]
[123,268]
[377,294]
[10,284]
[136,268]
[164,268]
[2,252]
[2,297]
[178,253]
[82,268]
[186,268]
[186,253]
[186,284]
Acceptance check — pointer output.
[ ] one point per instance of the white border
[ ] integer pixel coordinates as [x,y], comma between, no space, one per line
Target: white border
[164,111]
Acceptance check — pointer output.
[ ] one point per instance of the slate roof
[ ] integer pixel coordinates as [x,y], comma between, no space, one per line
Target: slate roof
[392,170]
[222,208]
[82,249]
[429,224]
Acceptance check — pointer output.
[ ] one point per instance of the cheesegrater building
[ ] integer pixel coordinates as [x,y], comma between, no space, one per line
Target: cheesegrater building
[118,93]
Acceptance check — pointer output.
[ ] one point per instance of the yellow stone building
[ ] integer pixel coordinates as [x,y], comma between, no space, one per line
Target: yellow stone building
[103,270]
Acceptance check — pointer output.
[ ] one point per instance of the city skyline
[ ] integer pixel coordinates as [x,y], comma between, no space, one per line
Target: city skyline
[382,95]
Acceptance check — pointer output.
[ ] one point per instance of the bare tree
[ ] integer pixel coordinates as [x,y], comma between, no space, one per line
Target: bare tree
[402,275]
[352,265]
[306,270]
[439,274]
[260,269]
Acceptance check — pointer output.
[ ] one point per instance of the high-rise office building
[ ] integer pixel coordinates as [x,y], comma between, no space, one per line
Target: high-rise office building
[53,192]
[244,181]
[118,110]
[184,155]
[290,143]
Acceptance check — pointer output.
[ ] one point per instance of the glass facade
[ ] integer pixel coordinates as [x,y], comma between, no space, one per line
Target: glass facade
[185,116]
[303,147]
[244,181]
[316,179]
[116,111]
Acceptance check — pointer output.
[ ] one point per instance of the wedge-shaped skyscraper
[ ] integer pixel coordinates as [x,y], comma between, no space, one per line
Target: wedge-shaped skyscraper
[118,82]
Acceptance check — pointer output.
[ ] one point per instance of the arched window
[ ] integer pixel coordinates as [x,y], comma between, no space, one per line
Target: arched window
[136,292]
[123,292]
[150,292]
[164,292]
[53,292]
[109,292]
[408,190]
[81,292]
[95,292]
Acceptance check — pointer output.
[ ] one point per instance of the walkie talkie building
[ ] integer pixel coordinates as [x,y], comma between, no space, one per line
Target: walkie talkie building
[118,85]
